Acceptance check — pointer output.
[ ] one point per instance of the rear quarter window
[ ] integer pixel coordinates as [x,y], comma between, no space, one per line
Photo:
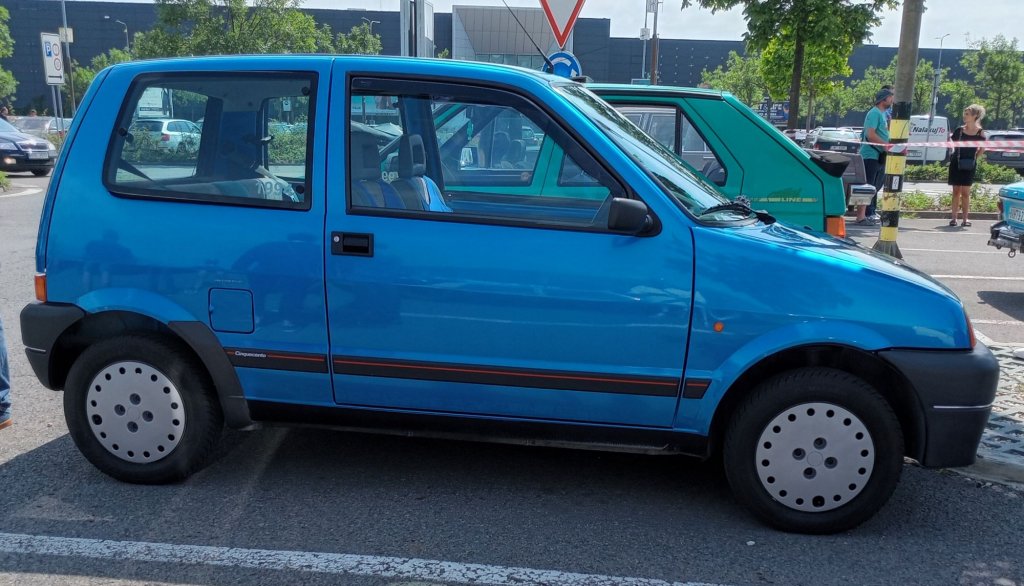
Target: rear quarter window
[252,147]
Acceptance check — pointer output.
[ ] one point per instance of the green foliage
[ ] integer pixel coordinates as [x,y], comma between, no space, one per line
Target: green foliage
[741,77]
[983,200]
[7,82]
[822,64]
[862,91]
[446,54]
[961,94]
[359,41]
[917,200]
[998,72]
[929,172]
[992,173]
[225,27]
[946,201]
[5,183]
[83,76]
[830,26]
[288,146]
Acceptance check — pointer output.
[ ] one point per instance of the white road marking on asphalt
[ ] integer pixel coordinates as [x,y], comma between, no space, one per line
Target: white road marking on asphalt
[998,322]
[978,278]
[21,193]
[964,251]
[983,338]
[302,561]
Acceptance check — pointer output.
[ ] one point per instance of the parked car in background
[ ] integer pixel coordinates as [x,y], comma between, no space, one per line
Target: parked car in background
[168,133]
[840,140]
[42,126]
[797,135]
[737,150]
[919,132]
[1014,158]
[20,151]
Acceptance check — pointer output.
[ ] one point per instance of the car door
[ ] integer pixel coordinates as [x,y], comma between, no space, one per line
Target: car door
[511,303]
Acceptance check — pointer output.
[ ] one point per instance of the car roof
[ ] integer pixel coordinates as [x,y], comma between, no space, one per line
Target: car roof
[654,90]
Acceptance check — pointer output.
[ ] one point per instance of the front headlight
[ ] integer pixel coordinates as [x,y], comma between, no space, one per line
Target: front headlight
[50,146]
[8,146]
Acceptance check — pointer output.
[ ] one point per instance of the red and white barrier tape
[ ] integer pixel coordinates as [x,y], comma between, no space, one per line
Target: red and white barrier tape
[988,145]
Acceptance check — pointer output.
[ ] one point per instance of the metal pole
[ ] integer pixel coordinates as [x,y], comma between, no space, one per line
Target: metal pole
[67,54]
[935,95]
[899,128]
[654,46]
[643,60]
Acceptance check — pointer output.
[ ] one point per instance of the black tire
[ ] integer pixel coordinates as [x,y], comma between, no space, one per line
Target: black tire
[847,406]
[195,424]
[41,172]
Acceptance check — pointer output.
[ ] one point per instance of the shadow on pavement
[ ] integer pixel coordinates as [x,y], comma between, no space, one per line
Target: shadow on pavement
[1009,302]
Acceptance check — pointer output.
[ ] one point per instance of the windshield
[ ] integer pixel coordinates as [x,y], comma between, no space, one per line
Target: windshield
[33,123]
[839,134]
[6,127]
[687,188]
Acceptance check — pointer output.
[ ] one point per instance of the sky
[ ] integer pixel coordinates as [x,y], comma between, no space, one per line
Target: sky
[961,20]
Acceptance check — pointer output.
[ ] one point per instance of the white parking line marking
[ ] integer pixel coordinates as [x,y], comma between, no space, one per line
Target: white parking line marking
[998,322]
[983,338]
[959,251]
[21,193]
[302,561]
[978,278]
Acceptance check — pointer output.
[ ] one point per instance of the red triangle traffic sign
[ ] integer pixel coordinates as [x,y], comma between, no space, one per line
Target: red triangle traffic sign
[562,15]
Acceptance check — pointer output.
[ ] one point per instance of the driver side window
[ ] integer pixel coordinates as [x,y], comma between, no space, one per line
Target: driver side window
[475,153]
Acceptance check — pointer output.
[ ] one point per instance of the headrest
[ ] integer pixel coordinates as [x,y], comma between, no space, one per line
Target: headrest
[412,158]
[365,157]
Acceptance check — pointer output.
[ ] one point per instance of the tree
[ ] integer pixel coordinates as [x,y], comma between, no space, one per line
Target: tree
[741,77]
[961,94]
[224,27]
[863,90]
[821,67]
[359,41]
[83,75]
[7,82]
[998,71]
[823,24]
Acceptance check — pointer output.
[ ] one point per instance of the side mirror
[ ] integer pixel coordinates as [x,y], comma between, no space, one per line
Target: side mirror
[629,215]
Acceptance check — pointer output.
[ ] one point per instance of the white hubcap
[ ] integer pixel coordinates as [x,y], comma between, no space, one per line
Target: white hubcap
[815,457]
[135,412]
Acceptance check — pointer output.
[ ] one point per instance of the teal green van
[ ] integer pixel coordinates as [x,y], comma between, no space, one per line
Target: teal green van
[734,148]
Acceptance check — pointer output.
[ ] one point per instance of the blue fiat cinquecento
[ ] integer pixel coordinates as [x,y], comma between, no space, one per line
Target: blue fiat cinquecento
[380,244]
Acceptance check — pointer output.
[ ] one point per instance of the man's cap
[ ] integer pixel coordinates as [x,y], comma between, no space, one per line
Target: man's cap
[882,94]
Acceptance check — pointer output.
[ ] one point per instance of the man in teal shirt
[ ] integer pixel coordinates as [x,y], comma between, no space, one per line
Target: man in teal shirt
[876,130]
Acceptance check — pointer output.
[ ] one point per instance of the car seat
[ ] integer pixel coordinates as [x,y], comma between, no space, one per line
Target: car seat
[418,192]
[368,189]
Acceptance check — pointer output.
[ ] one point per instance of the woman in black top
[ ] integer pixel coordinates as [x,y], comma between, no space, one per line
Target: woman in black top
[960,178]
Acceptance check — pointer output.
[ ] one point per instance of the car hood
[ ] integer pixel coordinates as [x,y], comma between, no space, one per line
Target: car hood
[18,137]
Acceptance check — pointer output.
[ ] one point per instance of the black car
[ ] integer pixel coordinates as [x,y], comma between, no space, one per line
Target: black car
[24,152]
[1013,158]
[842,140]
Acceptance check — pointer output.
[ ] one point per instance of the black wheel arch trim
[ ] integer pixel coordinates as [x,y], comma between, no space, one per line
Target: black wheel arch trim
[43,324]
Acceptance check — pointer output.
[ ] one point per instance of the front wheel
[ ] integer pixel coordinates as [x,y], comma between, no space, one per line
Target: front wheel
[814,450]
[41,172]
[142,409]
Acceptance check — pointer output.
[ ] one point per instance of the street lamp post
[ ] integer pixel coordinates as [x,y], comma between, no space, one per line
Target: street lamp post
[645,34]
[127,45]
[371,23]
[935,93]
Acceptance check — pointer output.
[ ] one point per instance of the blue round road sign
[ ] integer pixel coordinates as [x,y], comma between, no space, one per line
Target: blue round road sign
[565,64]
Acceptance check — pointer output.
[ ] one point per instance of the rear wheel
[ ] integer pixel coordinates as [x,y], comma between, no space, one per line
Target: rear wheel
[142,409]
[814,450]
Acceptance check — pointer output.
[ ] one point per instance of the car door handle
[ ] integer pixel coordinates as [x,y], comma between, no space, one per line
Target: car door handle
[351,244]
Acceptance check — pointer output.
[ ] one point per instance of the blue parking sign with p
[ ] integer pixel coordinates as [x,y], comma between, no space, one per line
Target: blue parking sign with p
[49,49]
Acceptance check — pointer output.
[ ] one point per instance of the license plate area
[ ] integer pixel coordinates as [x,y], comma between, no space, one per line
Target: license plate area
[1016,215]
[36,155]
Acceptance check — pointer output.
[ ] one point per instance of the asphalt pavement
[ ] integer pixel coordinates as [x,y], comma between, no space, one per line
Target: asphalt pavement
[315,506]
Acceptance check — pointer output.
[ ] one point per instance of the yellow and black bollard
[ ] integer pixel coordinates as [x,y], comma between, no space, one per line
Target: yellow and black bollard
[895,165]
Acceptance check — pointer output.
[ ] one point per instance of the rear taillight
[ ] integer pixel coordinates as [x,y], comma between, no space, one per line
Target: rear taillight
[836,226]
[165,137]
[970,330]
[41,287]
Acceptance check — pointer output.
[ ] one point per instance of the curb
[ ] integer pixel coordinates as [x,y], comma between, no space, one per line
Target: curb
[937,214]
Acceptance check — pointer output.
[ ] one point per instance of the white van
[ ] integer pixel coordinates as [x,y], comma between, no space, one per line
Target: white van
[919,132]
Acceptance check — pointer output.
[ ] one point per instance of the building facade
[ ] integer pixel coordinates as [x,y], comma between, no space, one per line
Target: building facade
[468,32]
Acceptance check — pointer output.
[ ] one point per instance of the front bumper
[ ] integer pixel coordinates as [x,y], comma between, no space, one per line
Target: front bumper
[955,390]
[16,161]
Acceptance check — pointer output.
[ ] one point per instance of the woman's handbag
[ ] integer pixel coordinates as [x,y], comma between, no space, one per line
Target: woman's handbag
[965,164]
